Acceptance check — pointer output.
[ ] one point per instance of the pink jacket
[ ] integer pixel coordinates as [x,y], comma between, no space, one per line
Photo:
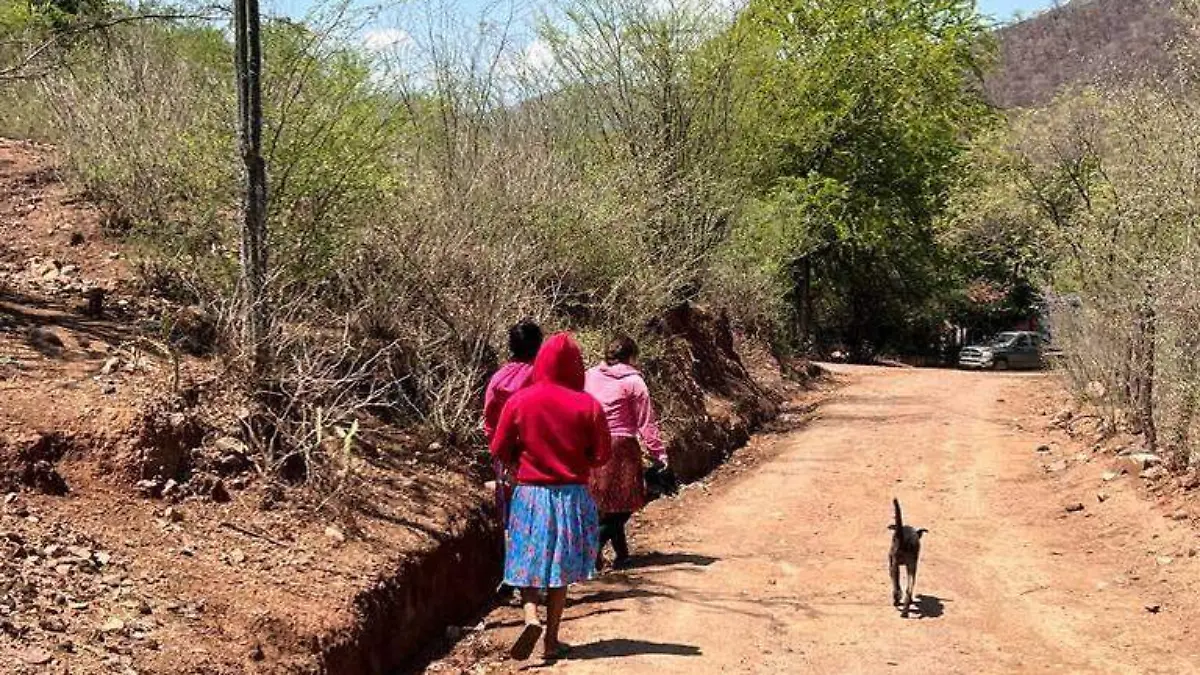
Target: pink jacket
[626,401]
[552,431]
[511,377]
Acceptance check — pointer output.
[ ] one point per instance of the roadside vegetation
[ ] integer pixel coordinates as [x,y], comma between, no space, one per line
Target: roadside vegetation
[736,187]
[1096,196]
[790,165]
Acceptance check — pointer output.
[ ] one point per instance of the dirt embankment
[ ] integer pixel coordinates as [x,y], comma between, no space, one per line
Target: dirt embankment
[138,533]
[713,399]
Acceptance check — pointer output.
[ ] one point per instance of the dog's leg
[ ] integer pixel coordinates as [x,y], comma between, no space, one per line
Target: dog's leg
[894,568]
[912,582]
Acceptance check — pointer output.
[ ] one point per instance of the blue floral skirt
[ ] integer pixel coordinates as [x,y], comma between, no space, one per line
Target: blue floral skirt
[553,536]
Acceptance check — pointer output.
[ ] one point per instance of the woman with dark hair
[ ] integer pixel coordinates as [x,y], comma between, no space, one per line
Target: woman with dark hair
[524,341]
[555,434]
[619,487]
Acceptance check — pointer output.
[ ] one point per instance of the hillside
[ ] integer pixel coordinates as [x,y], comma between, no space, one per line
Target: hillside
[138,531]
[123,548]
[1086,41]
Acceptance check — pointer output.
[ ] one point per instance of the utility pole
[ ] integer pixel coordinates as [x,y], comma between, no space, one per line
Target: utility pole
[256,314]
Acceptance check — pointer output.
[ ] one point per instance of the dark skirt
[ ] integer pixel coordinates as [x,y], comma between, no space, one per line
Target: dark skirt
[619,486]
[504,490]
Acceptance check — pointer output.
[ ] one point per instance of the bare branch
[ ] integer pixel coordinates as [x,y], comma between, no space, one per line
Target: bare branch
[18,70]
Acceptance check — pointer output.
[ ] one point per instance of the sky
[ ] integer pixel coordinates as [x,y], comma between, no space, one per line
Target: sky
[999,9]
[388,23]
[1006,9]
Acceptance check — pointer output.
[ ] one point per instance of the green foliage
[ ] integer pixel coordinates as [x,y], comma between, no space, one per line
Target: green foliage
[665,153]
[39,35]
[15,16]
[854,115]
[145,124]
[60,14]
[991,228]
[144,127]
[329,131]
[39,17]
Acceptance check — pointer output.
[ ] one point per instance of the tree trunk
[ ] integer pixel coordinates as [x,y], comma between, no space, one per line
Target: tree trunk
[802,297]
[1147,353]
[256,313]
[1126,377]
[1187,409]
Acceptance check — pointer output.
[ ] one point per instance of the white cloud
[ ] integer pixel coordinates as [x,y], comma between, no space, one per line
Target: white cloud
[386,39]
[526,65]
[538,56]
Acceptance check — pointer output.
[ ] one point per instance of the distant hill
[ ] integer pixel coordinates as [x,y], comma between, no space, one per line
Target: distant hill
[1082,42]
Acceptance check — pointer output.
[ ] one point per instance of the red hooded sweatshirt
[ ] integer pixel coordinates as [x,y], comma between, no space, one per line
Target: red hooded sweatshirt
[553,431]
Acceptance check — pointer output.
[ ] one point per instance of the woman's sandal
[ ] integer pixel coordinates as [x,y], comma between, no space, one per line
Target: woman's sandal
[524,645]
[559,653]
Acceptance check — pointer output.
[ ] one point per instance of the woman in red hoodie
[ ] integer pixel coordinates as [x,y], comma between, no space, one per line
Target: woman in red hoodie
[554,433]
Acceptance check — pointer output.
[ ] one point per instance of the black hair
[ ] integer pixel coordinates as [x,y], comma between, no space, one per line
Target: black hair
[524,340]
[621,350]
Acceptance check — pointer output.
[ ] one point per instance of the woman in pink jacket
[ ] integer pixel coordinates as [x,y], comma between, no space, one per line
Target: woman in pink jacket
[619,487]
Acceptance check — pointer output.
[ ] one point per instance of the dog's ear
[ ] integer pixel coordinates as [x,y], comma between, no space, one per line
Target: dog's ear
[892,526]
[921,532]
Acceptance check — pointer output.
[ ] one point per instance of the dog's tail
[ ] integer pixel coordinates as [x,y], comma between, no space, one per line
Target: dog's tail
[899,520]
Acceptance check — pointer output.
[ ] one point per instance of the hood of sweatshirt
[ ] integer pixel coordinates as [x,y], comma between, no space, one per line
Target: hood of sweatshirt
[511,377]
[560,362]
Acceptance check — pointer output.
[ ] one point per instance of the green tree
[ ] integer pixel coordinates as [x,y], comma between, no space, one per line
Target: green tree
[855,113]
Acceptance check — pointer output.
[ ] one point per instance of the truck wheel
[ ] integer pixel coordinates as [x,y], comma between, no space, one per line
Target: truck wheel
[1000,364]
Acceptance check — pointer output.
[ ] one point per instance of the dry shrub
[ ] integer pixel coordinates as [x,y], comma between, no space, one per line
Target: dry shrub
[145,129]
[506,211]
[1107,185]
[311,414]
[420,205]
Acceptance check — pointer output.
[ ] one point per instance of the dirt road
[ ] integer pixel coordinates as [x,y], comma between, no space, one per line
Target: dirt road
[782,569]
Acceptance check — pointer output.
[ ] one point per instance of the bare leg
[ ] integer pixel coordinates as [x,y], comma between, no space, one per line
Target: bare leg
[556,602]
[525,643]
[529,600]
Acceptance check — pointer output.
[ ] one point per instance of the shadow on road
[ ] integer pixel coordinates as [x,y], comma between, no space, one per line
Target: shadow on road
[635,586]
[667,560]
[513,623]
[928,607]
[614,595]
[617,648]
